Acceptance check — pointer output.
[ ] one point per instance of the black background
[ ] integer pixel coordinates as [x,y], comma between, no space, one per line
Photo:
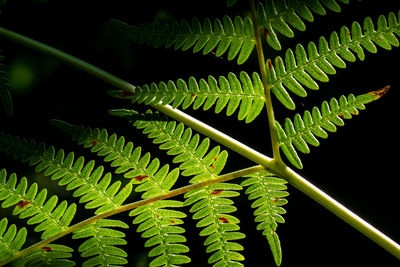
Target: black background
[356,165]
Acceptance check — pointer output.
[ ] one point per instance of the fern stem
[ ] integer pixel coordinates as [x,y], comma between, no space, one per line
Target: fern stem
[130,206]
[67,58]
[270,164]
[267,89]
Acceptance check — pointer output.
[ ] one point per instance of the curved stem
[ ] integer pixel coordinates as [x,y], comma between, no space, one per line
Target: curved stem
[130,206]
[270,164]
[267,89]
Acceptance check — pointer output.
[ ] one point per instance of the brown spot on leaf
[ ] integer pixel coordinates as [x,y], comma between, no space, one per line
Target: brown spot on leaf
[276,199]
[47,249]
[126,93]
[140,177]
[172,221]
[269,64]
[93,143]
[381,92]
[192,95]
[212,167]
[216,192]
[23,203]
[223,219]
[265,33]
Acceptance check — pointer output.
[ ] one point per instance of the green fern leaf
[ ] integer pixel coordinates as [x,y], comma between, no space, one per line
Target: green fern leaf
[233,36]
[11,239]
[244,93]
[89,183]
[159,225]
[50,255]
[192,154]
[5,87]
[102,242]
[211,205]
[283,15]
[296,134]
[301,68]
[50,217]
[268,193]
[155,220]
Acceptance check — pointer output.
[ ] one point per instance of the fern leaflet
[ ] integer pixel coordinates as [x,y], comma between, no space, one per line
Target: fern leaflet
[210,205]
[50,255]
[101,243]
[155,221]
[243,93]
[89,184]
[268,193]
[50,217]
[301,68]
[235,37]
[11,239]
[283,15]
[295,135]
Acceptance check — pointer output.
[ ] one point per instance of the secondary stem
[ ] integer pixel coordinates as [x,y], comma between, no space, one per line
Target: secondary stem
[267,90]
[130,206]
[270,164]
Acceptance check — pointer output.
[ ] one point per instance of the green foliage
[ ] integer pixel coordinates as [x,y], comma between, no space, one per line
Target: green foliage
[233,36]
[11,240]
[243,93]
[50,217]
[5,87]
[301,68]
[50,255]
[283,15]
[268,193]
[89,184]
[156,221]
[208,197]
[297,133]
[101,243]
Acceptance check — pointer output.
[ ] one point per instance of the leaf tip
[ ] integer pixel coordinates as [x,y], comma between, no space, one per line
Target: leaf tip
[381,92]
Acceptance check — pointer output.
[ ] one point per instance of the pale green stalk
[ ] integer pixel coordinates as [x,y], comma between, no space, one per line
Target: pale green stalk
[274,166]
[267,90]
[130,206]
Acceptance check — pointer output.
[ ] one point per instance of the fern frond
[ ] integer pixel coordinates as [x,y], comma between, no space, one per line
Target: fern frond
[192,154]
[158,223]
[244,94]
[211,205]
[5,87]
[283,15]
[89,183]
[233,36]
[50,255]
[155,221]
[101,243]
[294,135]
[11,239]
[50,217]
[301,68]
[268,194]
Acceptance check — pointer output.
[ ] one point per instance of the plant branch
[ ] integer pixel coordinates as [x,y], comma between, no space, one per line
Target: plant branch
[130,206]
[271,165]
[267,89]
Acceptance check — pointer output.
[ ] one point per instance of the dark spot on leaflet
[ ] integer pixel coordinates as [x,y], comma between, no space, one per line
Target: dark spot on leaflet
[23,203]
[47,249]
